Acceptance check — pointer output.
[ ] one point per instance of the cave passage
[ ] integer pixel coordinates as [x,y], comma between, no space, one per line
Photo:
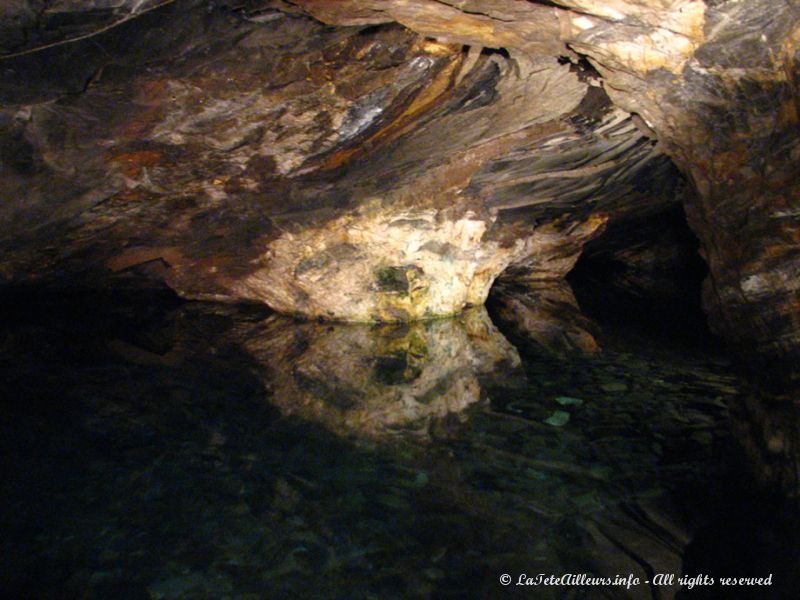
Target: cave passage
[646,275]
[399,299]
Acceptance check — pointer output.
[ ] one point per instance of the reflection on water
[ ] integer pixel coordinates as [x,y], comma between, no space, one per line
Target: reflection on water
[767,429]
[375,380]
[201,451]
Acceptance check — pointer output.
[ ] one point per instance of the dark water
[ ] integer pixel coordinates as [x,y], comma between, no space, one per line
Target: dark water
[162,450]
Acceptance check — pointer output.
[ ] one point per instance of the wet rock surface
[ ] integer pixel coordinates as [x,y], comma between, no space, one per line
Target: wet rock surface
[160,450]
[348,173]
[547,315]
[717,84]
[394,161]
[267,150]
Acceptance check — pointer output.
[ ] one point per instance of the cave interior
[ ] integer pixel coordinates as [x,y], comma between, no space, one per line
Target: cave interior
[389,298]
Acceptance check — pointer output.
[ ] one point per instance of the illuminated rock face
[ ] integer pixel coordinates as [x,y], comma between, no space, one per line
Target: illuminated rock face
[368,176]
[398,267]
[319,156]
[390,267]
[717,84]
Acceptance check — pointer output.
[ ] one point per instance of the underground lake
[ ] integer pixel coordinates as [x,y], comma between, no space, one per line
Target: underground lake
[400,299]
[160,449]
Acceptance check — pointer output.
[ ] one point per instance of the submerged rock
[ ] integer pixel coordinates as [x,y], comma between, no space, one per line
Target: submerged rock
[178,477]
[559,418]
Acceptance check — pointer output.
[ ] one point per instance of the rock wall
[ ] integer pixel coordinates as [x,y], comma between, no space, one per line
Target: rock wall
[345,173]
[379,160]
[717,84]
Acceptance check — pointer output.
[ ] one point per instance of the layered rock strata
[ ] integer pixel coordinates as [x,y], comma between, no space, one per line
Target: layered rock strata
[365,175]
[315,155]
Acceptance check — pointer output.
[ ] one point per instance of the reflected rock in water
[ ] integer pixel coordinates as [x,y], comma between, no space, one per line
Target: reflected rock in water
[767,429]
[547,315]
[374,380]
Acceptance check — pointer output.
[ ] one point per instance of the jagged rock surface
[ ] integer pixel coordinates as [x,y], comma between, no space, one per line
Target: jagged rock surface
[344,173]
[717,83]
[391,163]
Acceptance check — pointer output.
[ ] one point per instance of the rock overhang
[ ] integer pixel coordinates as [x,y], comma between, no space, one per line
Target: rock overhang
[300,178]
[159,146]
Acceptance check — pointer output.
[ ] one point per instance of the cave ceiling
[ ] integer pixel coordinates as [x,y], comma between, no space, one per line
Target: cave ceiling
[388,160]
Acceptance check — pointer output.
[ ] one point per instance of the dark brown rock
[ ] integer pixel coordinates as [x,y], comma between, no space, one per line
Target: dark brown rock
[247,151]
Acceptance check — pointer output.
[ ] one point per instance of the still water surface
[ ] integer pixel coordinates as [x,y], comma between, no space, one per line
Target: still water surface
[163,450]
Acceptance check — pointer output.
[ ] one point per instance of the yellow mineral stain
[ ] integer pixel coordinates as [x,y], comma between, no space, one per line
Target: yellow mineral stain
[405,121]
[436,48]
